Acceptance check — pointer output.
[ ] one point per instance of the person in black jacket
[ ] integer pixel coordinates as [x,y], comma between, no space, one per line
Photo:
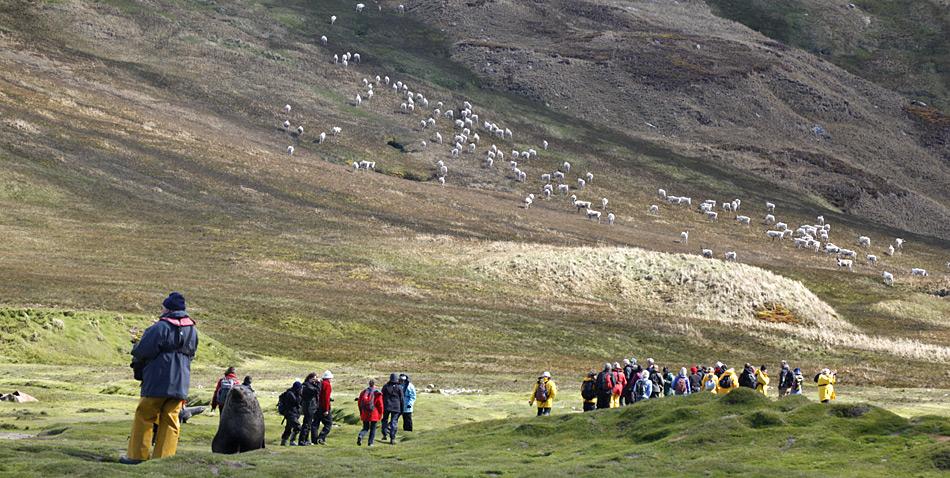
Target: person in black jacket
[747,377]
[288,404]
[394,400]
[604,385]
[786,379]
[309,395]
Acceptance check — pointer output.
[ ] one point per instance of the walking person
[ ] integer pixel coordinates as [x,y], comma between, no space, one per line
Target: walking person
[394,400]
[619,381]
[543,394]
[710,380]
[162,361]
[798,383]
[604,385]
[324,414]
[785,380]
[826,380]
[222,388]
[409,390]
[643,389]
[629,367]
[288,406]
[589,391]
[667,382]
[680,384]
[695,380]
[308,405]
[728,381]
[762,380]
[747,377]
[656,377]
[370,404]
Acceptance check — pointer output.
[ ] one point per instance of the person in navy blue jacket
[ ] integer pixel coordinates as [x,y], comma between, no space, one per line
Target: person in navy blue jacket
[162,360]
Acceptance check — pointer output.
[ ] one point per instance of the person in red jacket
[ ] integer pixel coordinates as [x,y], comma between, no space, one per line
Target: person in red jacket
[370,403]
[229,376]
[620,381]
[323,408]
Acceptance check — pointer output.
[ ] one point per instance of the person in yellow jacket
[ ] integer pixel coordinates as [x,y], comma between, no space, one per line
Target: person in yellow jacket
[728,381]
[544,393]
[762,380]
[710,379]
[826,385]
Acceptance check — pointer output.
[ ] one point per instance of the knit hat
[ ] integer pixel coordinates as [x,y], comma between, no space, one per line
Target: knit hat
[626,361]
[693,370]
[327,375]
[607,366]
[297,385]
[175,301]
[798,371]
[683,372]
[394,377]
[546,375]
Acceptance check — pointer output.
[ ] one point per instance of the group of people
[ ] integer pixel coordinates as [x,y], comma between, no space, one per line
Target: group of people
[617,385]
[313,397]
[161,360]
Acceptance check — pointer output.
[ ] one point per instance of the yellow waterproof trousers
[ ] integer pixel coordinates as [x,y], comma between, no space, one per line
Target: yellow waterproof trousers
[615,401]
[161,411]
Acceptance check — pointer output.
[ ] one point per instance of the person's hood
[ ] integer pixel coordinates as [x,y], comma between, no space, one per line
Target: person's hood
[394,378]
[730,370]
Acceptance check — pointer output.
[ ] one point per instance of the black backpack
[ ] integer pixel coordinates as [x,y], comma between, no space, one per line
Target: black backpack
[587,390]
[725,381]
[286,402]
[657,380]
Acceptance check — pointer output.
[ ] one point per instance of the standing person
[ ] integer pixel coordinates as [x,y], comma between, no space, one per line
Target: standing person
[680,384]
[589,391]
[288,405]
[543,394]
[409,390]
[747,377]
[162,360]
[247,383]
[394,400]
[826,380]
[626,396]
[728,381]
[620,381]
[710,380]
[223,388]
[643,389]
[370,404]
[656,377]
[667,382]
[324,414]
[762,380]
[785,380]
[695,380]
[604,386]
[798,382]
[308,405]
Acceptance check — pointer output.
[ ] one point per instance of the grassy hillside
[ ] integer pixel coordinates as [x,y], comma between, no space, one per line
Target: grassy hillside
[904,46]
[741,434]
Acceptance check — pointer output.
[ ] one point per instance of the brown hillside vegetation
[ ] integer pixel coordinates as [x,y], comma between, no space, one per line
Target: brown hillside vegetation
[677,74]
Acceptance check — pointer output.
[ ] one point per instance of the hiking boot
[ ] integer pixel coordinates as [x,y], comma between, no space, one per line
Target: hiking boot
[359,441]
[303,443]
[293,443]
[283,442]
[321,441]
[129,461]
[392,441]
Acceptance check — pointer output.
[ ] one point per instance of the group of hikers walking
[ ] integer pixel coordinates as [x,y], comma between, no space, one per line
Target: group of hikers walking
[618,385]
[313,399]
[161,360]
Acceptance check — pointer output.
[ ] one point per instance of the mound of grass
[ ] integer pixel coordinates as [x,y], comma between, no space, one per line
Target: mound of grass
[51,336]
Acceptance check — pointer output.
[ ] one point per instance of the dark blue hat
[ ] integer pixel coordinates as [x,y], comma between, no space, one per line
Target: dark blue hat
[174,301]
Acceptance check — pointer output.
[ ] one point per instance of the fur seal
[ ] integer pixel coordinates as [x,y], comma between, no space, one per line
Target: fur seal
[241,427]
